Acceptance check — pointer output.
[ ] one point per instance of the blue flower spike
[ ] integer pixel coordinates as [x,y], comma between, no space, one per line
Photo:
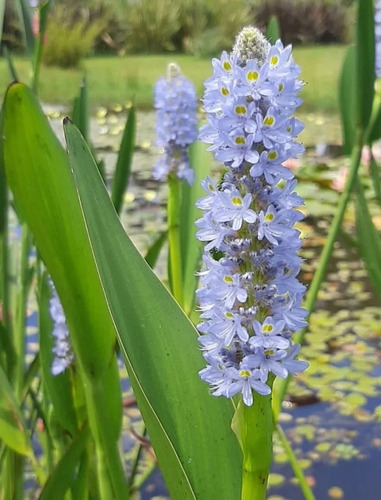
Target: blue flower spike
[250,298]
[175,102]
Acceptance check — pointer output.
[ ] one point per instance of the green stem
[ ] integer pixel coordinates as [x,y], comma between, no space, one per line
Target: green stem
[144,476]
[253,426]
[299,474]
[111,480]
[323,263]
[20,327]
[136,462]
[173,213]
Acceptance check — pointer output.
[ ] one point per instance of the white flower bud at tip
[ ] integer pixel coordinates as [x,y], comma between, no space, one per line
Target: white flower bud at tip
[173,71]
[251,44]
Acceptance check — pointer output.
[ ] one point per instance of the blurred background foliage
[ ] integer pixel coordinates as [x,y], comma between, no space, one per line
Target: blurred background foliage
[199,27]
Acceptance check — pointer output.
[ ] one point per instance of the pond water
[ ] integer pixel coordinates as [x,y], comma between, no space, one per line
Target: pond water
[333,414]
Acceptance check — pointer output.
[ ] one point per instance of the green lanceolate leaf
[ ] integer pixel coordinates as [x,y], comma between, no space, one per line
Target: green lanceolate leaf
[12,428]
[368,239]
[59,386]
[187,426]
[273,30]
[63,476]
[191,248]
[80,113]
[365,61]
[347,100]
[123,164]
[38,174]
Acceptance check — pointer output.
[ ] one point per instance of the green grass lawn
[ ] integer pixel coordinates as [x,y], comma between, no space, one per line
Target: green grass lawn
[119,79]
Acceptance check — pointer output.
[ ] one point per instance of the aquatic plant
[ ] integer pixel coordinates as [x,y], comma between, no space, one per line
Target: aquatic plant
[250,296]
[175,102]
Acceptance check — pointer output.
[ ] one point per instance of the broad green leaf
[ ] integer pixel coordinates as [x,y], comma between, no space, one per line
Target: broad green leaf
[273,30]
[191,248]
[347,100]
[189,429]
[368,239]
[64,474]
[123,164]
[154,250]
[39,175]
[33,158]
[58,387]
[365,61]
[80,113]
[12,428]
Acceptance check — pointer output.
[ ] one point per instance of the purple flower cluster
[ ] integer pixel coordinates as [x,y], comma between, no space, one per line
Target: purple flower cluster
[62,347]
[250,297]
[175,101]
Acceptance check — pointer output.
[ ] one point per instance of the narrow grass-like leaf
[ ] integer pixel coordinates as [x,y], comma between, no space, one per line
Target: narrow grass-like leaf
[11,66]
[154,250]
[3,184]
[43,12]
[375,176]
[368,239]
[365,61]
[187,426]
[347,100]
[2,10]
[191,248]
[59,387]
[123,164]
[64,473]
[80,113]
[12,428]
[26,22]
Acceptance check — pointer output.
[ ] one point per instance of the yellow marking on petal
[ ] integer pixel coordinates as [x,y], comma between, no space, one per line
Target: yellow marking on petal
[252,76]
[280,87]
[245,373]
[229,315]
[236,200]
[228,279]
[225,91]
[274,60]
[269,352]
[240,140]
[272,155]
[211,187]
[240,110]
[269,121]
[227,66]
[269,217]
[289,128]
[267,328]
